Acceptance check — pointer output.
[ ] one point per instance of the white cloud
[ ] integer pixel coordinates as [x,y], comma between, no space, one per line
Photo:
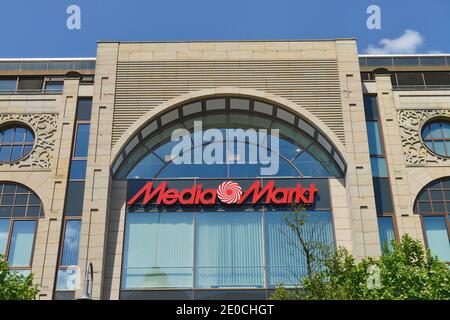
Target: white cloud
[435,52]
[406,43]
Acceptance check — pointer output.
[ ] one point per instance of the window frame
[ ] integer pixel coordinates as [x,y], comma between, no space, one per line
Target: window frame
[14,126]
[446,215]
[443,139]
[12,220]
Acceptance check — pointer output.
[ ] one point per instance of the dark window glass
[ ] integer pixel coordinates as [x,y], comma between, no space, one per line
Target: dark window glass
[84,109]
[17,201]
[71,243]
[31,83]
[82,141]
[77,170]
[16,142]
[75,198]
[379,62]
[406,61]
[383,197]
[437,78]
[362,62]
[410,79]
[370,107]
[432,61]
[8,85]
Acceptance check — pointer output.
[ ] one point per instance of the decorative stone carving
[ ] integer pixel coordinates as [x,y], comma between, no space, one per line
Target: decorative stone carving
[411,122]
[44,127]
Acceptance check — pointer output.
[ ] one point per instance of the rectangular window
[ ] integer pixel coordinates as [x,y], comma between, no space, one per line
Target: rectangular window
[406,61]
[74,199]
[386,231]
[379,62]
[379,168]
[229,250]
[82,140]
[437,78]
[383,196]
[84,109]
[410,79]
[432,61]
[71,243]
[4,231]
[286,262]
[54,86]
[31,83]
[373,135]
[77,170]
[437,236]
[8,85]
[158,250]
[22,240]
[370,107]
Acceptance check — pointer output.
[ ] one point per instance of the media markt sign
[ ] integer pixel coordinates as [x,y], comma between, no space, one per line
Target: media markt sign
[226,192]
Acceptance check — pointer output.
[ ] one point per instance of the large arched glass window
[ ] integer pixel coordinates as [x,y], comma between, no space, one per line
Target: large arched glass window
[20,209]
[436,136]
[205,252]
[303,151]
[433,204]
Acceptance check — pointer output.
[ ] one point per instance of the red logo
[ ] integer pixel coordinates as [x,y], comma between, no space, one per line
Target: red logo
[228,192]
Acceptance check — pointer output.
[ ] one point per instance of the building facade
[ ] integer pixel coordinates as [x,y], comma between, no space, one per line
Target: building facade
[88,174]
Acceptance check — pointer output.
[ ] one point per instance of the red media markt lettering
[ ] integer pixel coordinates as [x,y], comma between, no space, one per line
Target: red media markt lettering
[228,192]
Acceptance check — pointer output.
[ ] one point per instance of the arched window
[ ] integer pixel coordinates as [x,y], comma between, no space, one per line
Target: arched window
[433,204]
[20,209]
[436,136]
[16,142]
[303,151]
[216,248]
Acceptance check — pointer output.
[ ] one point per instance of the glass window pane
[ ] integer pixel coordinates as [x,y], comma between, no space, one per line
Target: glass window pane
[71,243]
[4,231]
[435,130]
[410,79]
[68,279]
[386,231]
[286,262]
[432,61]
[16,153]
[158,250]
[373,136]
[54,86]
[8,85]
[383,196]
[406,61]
[5,153]
[84,109]
[82,140]
[379,62]
[437,237]
[229,250]
[379,168]
[75,198]
[78,169]
[370,107]
[22,241]
[8,135]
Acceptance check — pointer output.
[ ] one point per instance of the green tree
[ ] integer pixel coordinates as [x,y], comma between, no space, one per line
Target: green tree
[406,271]
[15,286]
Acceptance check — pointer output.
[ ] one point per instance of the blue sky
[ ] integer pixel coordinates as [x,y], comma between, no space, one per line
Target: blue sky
[37,28]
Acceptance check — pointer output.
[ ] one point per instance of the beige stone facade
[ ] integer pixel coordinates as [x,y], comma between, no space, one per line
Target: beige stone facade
[135,83]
